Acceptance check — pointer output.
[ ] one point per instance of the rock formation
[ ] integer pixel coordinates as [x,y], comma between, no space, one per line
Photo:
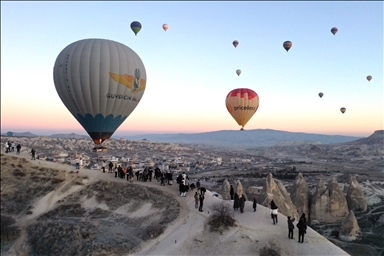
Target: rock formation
[380,221]
[349,228]
[328,204]
[239,189]
[277,192]
[355,196]
[300,195]
[225,193]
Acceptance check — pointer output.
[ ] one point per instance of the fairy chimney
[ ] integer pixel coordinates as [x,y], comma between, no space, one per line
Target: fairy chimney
[349,228]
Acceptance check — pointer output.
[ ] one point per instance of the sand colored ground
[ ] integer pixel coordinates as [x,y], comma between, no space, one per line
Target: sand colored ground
[189,234]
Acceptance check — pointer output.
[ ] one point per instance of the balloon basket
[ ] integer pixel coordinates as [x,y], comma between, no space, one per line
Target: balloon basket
[100,149]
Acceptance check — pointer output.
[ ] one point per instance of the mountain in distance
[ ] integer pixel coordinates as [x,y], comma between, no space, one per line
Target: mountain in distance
[377,138]
[69,136]
[246,138]
[21,134]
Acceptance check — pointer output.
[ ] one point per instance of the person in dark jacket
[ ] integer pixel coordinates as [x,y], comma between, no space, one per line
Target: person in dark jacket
[201,198]
[254,204]
[242,203]
[231,192]
[236,202]
[290,227]
[302,226]
[202,190]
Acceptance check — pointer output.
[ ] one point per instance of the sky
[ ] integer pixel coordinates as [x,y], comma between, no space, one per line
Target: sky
[192,66]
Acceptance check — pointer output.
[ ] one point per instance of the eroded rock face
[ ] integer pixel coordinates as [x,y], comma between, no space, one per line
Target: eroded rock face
[276,190]
[225,193]
[328,203]
[239,189]
[349,228]
[355,196]
[300,195]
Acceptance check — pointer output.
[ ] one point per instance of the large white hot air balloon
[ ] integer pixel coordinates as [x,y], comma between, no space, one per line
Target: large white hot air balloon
[100,82]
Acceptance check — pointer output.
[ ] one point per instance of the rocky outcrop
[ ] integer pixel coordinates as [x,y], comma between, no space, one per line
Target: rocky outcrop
[300,195]
[276,190]
[355,196]
[239,189]
[225,193]
[328,204]
[380,221]
[349,228]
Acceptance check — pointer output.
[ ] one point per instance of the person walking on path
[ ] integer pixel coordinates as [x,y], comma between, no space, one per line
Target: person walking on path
[254,204]
[33,152]
[302,226]
[201,198]
[290,227]
[231,192]
[18,147]
[274,212]
[242,203]
[236,202]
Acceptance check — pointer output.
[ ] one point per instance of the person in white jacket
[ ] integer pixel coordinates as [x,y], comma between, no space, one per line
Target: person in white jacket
[274,212]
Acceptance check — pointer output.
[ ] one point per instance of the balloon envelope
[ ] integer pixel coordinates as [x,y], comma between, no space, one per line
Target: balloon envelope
[369,78]
[334,30]
[242,104]
[165,27]
[100,82]
[235,43]
[136,27]
[321,94]
[343,110]
[287,45]
[238,72]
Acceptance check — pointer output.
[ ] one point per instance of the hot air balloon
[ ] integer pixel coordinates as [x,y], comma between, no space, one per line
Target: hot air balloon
[343,110]
[165,27]
[238,72]
[287,45]
[100,82]
[242,104]
[334,30]
[321,94]
[136,27]
[235,43]
[369,78]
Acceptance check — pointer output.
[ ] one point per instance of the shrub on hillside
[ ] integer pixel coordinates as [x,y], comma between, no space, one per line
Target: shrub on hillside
[221,217]
[270,250]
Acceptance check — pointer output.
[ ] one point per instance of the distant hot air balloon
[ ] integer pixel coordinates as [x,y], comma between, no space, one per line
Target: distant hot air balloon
[369,78]
[235,43]
[334,30]
[321,94]
[242,104]
[136,27]
[100,82]
[287,45]
[165,27]
[238,72]
[343,110]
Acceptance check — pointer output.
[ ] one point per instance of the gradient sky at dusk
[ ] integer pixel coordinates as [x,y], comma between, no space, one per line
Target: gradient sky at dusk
[191,67]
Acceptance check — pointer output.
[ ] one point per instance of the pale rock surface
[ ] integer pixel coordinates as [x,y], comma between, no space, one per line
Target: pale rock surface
[225,193]
[277,192]
[239,189]
[355,196]
[349,228]
[300,194]
[328,203]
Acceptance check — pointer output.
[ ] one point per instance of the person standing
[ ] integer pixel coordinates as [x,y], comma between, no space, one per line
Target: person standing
[201,198]
[18,147]
[33,152]
[290,227]
[231,192]
[302,226]
[77,164]
[236,202]
[254,204]
[196,200]
[242,203]
[274,212]
[110,165]
[198,184]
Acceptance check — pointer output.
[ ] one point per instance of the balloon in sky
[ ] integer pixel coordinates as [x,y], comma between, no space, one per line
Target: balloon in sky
[100,82]
[136,27]
[242,104]
[235,43]
[287,45]
[238,72]
[334,30]
[321,94]
[165,27]
[369,78]
[343,110]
